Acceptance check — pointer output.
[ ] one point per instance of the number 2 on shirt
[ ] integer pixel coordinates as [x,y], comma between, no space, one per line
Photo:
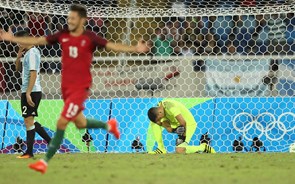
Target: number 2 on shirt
[73,52]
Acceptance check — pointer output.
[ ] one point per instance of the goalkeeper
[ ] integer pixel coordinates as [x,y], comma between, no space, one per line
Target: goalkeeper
[175,118]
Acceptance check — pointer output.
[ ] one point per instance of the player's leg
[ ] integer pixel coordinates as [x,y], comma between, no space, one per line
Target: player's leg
[36,97]
[73,107]
[185,148]
[203,148]
[41,165]
[57,139]
[30,131]
[76,102]
[41,131]
[111,126]
[28,113]
[190,131]
[68,112]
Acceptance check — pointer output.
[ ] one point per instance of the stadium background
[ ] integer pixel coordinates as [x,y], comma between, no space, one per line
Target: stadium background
[220,66]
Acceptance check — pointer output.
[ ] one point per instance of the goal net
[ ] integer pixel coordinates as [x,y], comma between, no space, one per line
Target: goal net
[231,63]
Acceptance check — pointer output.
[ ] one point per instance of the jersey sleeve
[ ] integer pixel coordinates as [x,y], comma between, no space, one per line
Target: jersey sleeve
[97,41]
[34,60]
[175,111]
[163,120]
[54,38]
[172,108]
[100,42]
[154,134]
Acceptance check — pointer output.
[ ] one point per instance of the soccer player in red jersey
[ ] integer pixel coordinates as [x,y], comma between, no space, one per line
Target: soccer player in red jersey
[77,46]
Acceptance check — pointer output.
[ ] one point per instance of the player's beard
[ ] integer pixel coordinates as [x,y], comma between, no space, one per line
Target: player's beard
[74,29]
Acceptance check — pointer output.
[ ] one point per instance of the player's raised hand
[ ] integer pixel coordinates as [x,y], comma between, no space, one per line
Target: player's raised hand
[141,46]
[21,51]
[29,100]
[6,36]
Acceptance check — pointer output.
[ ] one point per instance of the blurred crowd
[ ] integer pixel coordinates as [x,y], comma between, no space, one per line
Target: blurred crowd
[213,35]
[259,34]
[40,25]
[200,35]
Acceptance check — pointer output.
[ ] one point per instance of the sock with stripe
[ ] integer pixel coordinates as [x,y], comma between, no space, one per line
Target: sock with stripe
[41,131]
[54,144]
[30,139]
[93,123]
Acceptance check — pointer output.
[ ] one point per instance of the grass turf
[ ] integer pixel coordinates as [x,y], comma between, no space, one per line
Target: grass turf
[86,168]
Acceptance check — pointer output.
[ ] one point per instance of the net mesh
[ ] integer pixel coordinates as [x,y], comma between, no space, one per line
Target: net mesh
[230,62]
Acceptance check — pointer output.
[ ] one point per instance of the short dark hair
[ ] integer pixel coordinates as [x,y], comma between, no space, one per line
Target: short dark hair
[81,10]
[21,33]
[152,114]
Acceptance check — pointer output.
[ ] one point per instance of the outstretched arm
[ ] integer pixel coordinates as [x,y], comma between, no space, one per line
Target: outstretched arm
[33,77]
[157,132]
[141,47]
[29,40]
[17,61]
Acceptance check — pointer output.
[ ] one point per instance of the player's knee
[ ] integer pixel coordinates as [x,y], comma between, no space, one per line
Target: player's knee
[80,125]
[29,121]
[62,123]
[180,150]
[80,121]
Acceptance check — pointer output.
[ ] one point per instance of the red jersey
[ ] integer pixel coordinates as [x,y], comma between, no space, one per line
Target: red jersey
[77,53]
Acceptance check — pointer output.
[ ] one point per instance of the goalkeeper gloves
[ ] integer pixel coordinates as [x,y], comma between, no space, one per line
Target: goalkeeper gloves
[180,140]
[157,151]
[180,130]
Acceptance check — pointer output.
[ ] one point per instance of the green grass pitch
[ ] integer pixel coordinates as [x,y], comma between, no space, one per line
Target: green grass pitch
[242,168]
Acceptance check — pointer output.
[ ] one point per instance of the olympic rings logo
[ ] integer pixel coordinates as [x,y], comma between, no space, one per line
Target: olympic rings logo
[264,130]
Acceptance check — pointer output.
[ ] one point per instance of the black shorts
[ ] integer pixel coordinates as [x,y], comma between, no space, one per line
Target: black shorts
[27,110]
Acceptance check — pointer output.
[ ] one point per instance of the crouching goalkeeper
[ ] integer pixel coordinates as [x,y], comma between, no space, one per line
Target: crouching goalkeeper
[175,118]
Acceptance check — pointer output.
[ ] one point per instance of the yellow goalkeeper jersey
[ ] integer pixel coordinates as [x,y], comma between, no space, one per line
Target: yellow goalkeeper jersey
[172,109]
